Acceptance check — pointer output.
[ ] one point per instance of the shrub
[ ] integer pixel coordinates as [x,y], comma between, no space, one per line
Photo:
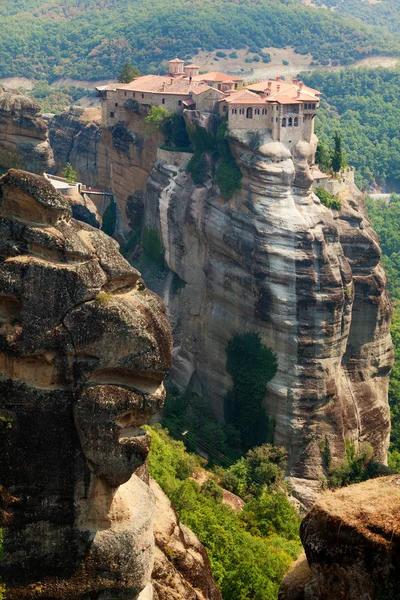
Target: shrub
[174,129]
[285,62]
[110,218]
[328,200]
[211,489]
[69,173]
[233,55]
[132,104]
[228,176]
[197,167]
[358,465]
[155,119]
[104,298]
[220,54]
[152,245]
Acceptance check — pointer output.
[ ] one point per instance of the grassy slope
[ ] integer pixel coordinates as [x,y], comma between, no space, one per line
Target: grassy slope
[90,39]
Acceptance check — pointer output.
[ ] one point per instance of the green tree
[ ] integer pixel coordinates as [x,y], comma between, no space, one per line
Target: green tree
[338,159]
[156,118]
[323,156]
[110,218]
[251,365]
[128,73]
[69,173]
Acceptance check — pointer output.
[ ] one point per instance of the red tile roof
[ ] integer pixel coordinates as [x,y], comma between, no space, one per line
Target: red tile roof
[216,76]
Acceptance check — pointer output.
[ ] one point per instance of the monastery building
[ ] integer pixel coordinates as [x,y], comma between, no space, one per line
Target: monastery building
[286,109]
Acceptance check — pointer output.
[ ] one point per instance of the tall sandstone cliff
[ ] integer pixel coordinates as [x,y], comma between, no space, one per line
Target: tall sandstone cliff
[272,260]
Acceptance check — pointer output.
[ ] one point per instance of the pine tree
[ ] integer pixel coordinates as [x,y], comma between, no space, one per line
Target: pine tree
[338,159]
[128,73]
[69,173]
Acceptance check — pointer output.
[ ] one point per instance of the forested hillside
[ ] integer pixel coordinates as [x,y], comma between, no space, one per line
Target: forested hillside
[91,39]
[385,12]
[364,105]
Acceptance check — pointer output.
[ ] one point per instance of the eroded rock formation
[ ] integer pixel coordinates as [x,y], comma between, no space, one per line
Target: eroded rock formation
[352,541]
[24,142]
[276,261]
[118,158]
[84,347]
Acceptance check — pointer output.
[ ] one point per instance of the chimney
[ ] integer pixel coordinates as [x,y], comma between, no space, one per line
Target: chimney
[301,85]
[294,81]
[298,93]
[269,84]
[278,87]
[278,78]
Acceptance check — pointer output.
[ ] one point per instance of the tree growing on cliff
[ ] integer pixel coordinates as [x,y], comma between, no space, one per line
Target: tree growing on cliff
[155,119]
[69,173]
[338,159]
[128,73]
[251,365]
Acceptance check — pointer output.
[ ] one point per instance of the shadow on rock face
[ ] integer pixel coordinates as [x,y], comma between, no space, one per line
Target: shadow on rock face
[84,347]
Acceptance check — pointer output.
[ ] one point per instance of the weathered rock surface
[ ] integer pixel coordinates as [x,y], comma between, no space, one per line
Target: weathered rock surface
[118,159]
[84,347]
[181,567]
[24,142]
[352,541]
[276,261]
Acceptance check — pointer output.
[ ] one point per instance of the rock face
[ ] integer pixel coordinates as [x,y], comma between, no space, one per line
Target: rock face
[84,347]
[352,541]
[181,566]
[118,158]
[24,142]
[309,280]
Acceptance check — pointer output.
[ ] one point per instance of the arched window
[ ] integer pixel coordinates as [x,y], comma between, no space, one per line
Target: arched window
[224,109]
[284,122]
[179,102]
[264,111]
[313,106]
[296,122]
[290,122]
[163,101]
[142,95]
[249,113]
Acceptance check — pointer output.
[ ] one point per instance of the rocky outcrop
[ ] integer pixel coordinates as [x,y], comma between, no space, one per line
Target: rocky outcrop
[309,280]
[181,566]
[84,347]
[118,159]
[352,541]
[24,142]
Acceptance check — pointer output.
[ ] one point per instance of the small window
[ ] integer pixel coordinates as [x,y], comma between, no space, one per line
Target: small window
[264,111]
[296,122]
[224,109]
[284,122]
[116,104]
[111,115]
[142,95]
[163,101]
[249,113]
[290,122]
[313,106]
[124,93]
[133,94]
[179,102]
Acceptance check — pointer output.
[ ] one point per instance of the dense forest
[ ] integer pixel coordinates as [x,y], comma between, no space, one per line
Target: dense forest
[250,551]
[385,12]
[385,218]
[91,39]
[364,105]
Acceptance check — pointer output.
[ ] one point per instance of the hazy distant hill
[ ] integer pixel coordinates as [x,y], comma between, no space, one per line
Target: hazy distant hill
[382,12]
[90,39]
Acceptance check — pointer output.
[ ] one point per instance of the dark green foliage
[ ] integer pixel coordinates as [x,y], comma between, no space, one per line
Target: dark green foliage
[95,38]
[220,54]
[233,55]
[174,129]
[228,176]
[323,156]
[202,140]
[285,62]
[152,246]
[177,284]
[245,566]
[338,160]
[128,73]
[251,366]
[55,100]
[198,168]
[385,219]
[328,200]
[132,104]
[189,412]
[110,218]
[363,104]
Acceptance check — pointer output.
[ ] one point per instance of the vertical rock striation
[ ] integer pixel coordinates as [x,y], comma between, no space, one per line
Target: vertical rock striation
[308,279]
